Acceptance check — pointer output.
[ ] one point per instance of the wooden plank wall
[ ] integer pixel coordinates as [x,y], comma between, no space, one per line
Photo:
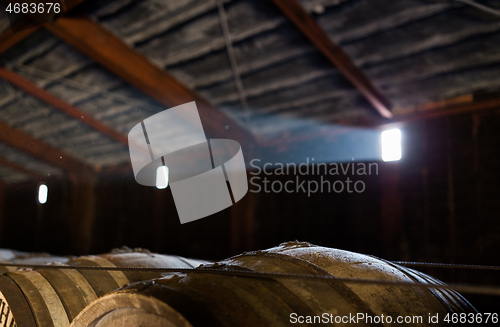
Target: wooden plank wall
[29,226]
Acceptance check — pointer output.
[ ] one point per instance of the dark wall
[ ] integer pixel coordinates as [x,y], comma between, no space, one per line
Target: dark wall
[28,226]
[346,220]
[449,186]
[450,190]
[138,216]
[443,197]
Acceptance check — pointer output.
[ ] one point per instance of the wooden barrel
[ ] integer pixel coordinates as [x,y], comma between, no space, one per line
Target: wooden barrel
[10,292]
[202,299]
[53,297]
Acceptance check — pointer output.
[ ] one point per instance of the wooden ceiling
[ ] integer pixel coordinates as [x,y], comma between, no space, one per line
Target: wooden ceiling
[73,88]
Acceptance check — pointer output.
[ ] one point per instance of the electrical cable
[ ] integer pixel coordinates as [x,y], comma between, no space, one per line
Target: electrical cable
[232,59]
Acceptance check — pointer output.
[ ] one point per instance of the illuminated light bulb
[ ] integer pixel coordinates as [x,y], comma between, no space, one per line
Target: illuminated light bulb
[162,177]
[43,192]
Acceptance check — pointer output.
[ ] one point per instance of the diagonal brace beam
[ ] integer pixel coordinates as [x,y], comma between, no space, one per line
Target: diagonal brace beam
[61,105]
[26,143]
[311,29]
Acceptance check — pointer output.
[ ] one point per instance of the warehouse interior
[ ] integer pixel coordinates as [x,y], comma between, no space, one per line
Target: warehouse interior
[297,83]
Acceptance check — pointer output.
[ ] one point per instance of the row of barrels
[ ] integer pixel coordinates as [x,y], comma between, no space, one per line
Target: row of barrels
[211,299]
[103,298]
[54,297]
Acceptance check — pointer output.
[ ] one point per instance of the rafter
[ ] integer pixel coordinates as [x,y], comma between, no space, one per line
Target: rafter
[19,168]
[108,50]
[61,105]
[41,150]
[311,29]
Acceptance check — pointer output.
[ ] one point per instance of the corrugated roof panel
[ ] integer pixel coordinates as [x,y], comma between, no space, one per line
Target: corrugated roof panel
[141,15]
[8,175]
[280,76]
[28,162]
[50,126]
[255,53]
[414,51]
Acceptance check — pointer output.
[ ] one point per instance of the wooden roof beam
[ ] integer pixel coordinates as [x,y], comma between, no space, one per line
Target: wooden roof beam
[311,29]
[24,142]
[61,105]
[112,53]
